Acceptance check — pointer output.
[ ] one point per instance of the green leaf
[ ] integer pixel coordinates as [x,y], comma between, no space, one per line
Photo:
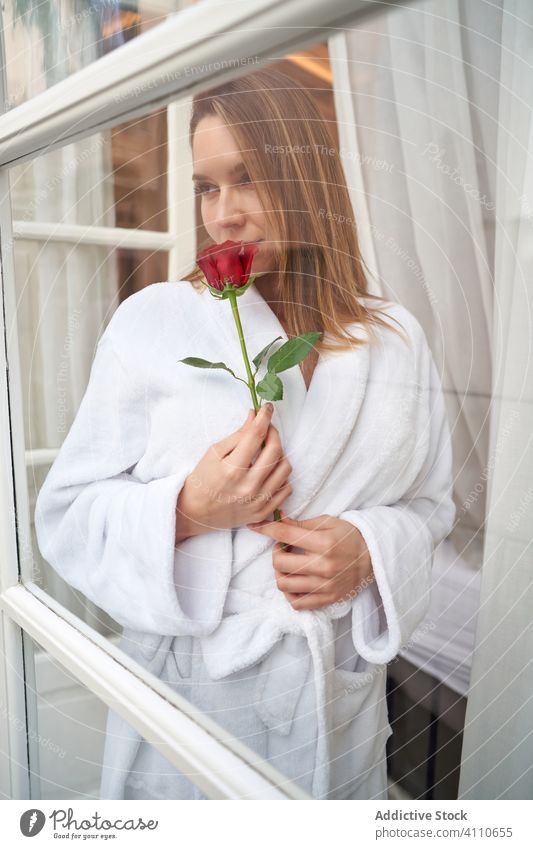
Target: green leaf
[258,359]
[292,352]
[198,362]
[270,388]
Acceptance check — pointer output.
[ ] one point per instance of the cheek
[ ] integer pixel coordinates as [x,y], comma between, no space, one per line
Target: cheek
[258,215]
[208,213]
[253,206]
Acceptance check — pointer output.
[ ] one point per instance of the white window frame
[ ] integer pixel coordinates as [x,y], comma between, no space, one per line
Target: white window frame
[184,54]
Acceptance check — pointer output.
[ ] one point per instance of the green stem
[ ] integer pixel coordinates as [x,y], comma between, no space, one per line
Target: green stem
[251,383]
[232,297]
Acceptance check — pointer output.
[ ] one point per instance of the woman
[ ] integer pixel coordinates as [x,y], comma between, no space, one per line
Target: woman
[150,504]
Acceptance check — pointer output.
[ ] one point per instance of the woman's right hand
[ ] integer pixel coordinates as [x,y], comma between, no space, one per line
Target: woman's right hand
[227,488]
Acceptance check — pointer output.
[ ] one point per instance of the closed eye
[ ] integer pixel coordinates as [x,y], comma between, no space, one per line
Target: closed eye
[208,189]
[204,189]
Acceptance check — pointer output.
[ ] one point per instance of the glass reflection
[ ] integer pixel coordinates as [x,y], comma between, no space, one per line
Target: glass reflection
[66,732]
[47,40]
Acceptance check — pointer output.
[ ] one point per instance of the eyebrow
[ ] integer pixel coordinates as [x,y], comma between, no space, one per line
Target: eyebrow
[239,168]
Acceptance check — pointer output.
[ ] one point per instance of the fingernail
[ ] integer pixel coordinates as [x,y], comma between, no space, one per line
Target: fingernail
[269,406]
[260,418]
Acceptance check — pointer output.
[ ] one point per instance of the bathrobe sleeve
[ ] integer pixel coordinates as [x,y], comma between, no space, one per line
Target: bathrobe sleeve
[401,539]
[106,533]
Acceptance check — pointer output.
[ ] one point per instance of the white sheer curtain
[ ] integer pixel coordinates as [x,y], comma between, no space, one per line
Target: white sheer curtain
[498,746]
[66,292]
[417,126]
[434,108]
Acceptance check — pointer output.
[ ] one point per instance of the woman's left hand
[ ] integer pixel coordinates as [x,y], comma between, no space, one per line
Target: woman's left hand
[335,564]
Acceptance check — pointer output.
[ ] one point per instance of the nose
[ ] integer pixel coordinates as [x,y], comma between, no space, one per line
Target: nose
[229,211]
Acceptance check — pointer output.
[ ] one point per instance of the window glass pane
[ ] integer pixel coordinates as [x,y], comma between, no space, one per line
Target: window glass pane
[47,40]
[73,268]
[115,178]
[371,190]
[139,157]
[443,220]
[66,733]
[79,747]
[56,352]
[129,437]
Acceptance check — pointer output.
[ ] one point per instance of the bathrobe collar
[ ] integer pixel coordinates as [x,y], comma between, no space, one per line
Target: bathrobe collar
[315,433]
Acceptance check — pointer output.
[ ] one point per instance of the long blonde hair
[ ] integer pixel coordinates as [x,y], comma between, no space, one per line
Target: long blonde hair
[293,161]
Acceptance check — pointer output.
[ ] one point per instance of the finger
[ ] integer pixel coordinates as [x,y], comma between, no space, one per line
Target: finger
[250,441]
[301,583]
[318,523]
[293,563]
[279,477]
[310,540]
[228,443]
[274,501]
[268,459]
[308,601]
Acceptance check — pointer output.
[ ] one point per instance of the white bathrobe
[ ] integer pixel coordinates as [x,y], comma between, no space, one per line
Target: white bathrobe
[368,442]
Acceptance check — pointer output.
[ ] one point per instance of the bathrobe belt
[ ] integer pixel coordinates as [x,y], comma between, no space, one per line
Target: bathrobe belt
[259,631]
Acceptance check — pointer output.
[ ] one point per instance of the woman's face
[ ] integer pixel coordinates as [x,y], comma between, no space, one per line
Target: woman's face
[230,205]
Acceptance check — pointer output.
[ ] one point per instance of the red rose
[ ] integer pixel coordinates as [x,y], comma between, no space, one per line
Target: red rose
[229,261]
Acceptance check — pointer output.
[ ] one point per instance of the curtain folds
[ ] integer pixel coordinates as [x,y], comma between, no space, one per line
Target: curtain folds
[435,104]
[65,292]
